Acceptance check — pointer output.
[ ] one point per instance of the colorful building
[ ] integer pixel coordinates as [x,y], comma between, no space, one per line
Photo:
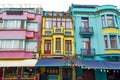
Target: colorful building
[97,42]
[20,35]
[57,46]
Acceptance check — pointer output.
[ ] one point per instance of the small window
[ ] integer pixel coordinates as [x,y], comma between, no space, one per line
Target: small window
[103,21]
[106,41]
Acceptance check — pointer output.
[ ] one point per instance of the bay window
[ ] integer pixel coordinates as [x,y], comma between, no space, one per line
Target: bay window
[112,40]
[31,45]
[32,26]
[109,21]
[11,44]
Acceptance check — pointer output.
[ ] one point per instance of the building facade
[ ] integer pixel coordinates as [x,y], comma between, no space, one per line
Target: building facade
[57,43]
[96,38]
[20,35]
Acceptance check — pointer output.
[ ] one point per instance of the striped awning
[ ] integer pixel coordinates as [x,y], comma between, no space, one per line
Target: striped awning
[52,62]
[99,64]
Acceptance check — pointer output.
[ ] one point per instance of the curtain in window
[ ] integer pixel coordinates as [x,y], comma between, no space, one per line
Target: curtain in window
[32,26]
[17,25]
[31,46]
[11,44]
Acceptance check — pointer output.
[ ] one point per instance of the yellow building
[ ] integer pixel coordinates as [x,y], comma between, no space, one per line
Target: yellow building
[58,42]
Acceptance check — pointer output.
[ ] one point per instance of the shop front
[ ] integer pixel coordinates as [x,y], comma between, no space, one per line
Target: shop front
[55,69]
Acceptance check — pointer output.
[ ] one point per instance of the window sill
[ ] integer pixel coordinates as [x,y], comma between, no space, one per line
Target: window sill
[110,27]
[112,49]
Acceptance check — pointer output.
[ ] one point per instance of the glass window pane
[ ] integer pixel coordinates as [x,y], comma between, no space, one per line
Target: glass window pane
[32,26]
[113,41]
[110,21]
[31,46]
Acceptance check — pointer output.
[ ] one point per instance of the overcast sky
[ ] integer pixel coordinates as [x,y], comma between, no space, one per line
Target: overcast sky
[61,5]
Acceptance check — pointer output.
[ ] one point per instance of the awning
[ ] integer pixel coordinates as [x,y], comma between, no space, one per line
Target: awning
[52,62]
[99,64]
[18,63]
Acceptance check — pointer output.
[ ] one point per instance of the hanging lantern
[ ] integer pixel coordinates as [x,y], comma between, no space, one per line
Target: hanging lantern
[88,68]
[114,71]
[94,68]
[104,70]
[107,70]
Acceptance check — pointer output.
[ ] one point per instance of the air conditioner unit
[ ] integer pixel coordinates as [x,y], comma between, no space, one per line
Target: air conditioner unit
[35,55]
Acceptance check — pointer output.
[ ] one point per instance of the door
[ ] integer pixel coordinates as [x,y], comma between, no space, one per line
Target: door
[47,47]
[88,74]
[86,45]
[85,24]
[67,74]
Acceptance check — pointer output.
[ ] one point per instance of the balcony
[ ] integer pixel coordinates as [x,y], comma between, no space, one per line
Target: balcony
[88,52]
[86,32]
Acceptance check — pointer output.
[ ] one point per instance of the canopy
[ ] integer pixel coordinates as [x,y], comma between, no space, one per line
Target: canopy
[18,63]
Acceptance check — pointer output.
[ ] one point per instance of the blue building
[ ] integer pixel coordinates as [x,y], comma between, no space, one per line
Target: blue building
[97,41]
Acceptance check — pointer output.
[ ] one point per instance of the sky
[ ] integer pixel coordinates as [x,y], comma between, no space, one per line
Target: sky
[61,5]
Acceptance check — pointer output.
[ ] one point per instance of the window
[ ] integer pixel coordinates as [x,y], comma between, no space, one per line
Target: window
[103,21]
[13,24]
[0,25]
[47,45]
[110,21]
[113,41]
[52,70]
[31,46]
[106,41]
[49,23]
[68,46]
[86,43]
[85,22]
[11,44]
[10,72]
[57,22]
[58,44]
[28,72]
[32,26]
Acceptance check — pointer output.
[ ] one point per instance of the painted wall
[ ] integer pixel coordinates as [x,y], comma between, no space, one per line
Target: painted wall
[23,34]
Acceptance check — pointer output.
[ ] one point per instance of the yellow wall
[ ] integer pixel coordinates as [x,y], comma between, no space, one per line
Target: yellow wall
[55,35]
[112,51]
[111,30]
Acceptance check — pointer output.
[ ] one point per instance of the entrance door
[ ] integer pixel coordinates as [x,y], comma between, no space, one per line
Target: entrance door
[88,74]
[47,47]
[67,74]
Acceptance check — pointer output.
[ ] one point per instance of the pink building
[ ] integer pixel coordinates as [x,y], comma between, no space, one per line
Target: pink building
[20,35]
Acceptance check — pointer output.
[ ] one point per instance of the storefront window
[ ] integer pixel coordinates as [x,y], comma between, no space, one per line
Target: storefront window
[28,72]
[10,72]
[52,70]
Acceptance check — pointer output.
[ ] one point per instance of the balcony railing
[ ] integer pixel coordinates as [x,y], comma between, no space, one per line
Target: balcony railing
[86,31]
[88,52]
